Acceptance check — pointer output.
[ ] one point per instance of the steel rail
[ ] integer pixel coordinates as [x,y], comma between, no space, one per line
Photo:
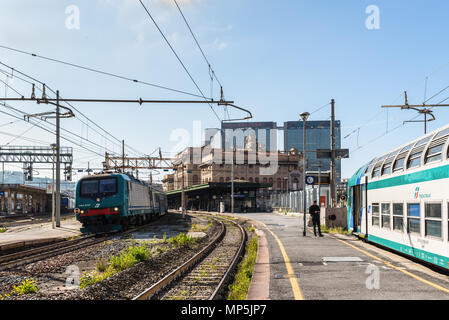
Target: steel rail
[48,254]
[175,274]
[25,253]
[231,267]
[161,284]
[36,254]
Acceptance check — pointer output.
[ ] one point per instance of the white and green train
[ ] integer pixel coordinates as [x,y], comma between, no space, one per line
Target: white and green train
[400,200]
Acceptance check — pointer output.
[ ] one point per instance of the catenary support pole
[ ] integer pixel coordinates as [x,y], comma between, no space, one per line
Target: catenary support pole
[58,164]
[333,167]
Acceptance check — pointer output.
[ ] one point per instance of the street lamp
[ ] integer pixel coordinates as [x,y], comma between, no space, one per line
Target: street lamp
[304,117]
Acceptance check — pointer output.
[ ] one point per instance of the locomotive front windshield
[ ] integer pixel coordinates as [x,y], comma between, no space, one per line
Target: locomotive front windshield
[98,187]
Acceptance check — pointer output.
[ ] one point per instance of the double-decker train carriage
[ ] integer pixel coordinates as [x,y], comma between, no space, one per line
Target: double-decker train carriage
[400,200]
[113,202]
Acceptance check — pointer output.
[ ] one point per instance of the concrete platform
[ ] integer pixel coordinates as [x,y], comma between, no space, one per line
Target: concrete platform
[31,234]
[335,267]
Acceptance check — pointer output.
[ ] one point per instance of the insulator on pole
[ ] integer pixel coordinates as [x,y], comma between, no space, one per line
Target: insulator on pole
[44,96]
[33,94]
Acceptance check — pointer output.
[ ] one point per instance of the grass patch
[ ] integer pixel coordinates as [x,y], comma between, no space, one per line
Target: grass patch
[28,286]
[102,265]
[338,230]
[239,288]
[127,259]
[196,227]
[181,240]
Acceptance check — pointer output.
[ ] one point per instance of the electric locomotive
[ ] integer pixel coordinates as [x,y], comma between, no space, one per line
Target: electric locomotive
[115,201]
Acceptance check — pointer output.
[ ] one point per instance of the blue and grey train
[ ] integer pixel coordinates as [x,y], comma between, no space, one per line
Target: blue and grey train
[400,200]
[113,202]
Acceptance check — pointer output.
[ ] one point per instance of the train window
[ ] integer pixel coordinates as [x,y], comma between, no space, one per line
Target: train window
[375,215]
[423,141]
[386,169]
[443,133]
[386,215]
[407,148]
[89,187]
[413,218]
[434,154]
[108,186]
[399,165]
[398,216]
[376,172]
[433,219]
[414,160]
[97,187]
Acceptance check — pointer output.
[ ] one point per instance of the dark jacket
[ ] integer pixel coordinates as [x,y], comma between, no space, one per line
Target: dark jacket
[314,210]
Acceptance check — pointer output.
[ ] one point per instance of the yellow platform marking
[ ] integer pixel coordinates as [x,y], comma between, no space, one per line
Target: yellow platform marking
[396,268]
[297,292]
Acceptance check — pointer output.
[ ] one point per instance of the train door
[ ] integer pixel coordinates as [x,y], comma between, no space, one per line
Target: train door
[357,208]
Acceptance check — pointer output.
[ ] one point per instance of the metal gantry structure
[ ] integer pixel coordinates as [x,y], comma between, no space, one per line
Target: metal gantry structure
[424,109]
[137,163]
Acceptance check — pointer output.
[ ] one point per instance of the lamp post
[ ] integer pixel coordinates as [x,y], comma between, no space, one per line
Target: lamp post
[304,117]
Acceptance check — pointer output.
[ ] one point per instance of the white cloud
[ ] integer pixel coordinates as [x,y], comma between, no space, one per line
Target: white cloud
[220,45]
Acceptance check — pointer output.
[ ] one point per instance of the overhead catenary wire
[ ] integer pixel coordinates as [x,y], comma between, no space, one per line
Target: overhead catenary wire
[437,94]
[54,92]
[19,136]
[178,58]
[212,72]
[320,108]
[357,130]
[50,131]
[49,88]
[44,120]
[99,71]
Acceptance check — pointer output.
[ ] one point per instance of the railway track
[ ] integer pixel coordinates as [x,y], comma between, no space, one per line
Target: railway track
[36,254]
[204,275]
[29,256]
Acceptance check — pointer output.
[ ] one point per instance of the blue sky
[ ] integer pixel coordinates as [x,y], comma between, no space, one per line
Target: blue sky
[276,58]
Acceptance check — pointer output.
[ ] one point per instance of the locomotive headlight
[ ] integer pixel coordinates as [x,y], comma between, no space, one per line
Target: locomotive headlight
[115,209]
[82,211]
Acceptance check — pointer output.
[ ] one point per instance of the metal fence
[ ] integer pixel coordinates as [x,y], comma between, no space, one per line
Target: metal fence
[294,201]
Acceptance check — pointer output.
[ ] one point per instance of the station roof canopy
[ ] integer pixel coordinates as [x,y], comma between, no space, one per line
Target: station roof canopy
[222,186]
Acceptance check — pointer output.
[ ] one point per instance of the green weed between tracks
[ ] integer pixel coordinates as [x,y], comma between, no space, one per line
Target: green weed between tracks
[239,288]
[28,286]
[128,258]
[181,240]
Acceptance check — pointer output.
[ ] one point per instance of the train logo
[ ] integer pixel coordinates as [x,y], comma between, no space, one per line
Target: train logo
[421,195]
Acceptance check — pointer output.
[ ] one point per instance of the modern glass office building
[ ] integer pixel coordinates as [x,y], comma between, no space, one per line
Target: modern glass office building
[318,137]
[258,127]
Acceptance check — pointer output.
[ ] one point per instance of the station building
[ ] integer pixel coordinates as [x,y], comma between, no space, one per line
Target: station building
[318,134]
[207,174]
[24,199]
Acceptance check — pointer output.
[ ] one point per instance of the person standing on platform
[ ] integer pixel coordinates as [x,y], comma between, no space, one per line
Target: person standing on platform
[314,211]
